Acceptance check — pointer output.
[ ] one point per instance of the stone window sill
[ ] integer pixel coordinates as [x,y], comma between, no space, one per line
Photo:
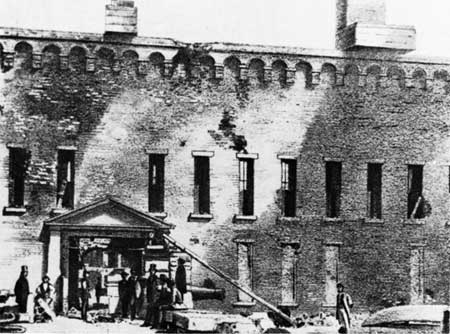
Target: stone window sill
[284,219]
[332,220]
[244,304]
[412,221]
[12,211]
[200,217]
[241,219]
[373,221]
[160,215]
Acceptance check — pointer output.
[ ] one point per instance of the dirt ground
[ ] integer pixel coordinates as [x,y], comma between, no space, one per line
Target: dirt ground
[65,325]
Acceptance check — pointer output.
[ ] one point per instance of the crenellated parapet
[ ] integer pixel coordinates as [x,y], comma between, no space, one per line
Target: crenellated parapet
[36,50]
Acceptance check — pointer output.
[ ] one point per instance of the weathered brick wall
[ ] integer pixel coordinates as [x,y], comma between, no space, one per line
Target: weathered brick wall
[113,117]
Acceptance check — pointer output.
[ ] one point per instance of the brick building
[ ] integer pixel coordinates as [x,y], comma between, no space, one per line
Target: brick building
[289,169]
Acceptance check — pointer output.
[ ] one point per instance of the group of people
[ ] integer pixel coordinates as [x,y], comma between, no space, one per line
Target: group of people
[162,293]
[44,296]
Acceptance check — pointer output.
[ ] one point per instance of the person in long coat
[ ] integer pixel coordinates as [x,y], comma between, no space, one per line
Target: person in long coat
[180,277]
[84,295]
[343,305]
[151,317]
[135,293]
[22,290]
[124,294]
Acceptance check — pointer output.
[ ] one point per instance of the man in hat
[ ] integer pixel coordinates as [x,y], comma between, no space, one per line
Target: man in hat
[343,305]
[152,298]
[22,290]
[124,294]
[180,277]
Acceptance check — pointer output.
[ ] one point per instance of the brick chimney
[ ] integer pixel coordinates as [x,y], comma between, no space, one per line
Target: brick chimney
[362,24]
[121,18]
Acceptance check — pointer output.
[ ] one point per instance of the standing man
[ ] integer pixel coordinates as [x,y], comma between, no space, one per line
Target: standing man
[135,293]
[84,295]
[22,290]
[124,294]
[180,277]
[151,315]
[343,305]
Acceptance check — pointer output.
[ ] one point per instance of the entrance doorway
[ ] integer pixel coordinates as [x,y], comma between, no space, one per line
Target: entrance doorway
[104,259]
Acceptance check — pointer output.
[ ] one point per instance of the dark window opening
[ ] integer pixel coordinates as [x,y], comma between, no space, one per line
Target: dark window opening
[415,198]
[156,183]
[201,187]
[289,186]
[65,179]
[246,186]
[374,187]
[17,168]
[333,188]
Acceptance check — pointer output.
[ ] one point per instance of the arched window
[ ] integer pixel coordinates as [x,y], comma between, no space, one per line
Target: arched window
[351,75]
[256,72]
[373,77]
[50,58]
[395,78]
[207,69]
[156,64]
[279,72]
[303,74]
[232,69]
[440,80]
[105,59]
[419,77]
[181,65]
[77,59]
[23,56]
[328,75]
[130,60]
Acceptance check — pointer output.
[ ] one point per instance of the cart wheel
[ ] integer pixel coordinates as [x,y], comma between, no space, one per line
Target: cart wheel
[12,329]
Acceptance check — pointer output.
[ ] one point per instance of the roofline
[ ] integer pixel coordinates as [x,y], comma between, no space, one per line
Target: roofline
[40,34]
[222,47]
[54,221]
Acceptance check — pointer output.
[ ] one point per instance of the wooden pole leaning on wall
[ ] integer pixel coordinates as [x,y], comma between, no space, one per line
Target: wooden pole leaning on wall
[229,279]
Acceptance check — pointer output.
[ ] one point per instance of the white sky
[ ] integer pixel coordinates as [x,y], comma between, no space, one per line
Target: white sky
[304,23]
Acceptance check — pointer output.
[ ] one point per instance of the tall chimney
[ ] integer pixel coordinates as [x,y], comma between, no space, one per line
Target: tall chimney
[362,24]
[121,18]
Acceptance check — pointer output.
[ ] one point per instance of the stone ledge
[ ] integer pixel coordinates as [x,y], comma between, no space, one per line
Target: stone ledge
[244,304]
[373,221]
[414,222]
[241,219]
[12,211]
[160,215]
[332,220]
[284,220]
[200,217]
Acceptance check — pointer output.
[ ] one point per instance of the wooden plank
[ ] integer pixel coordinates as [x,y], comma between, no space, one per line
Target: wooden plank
[228,279]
